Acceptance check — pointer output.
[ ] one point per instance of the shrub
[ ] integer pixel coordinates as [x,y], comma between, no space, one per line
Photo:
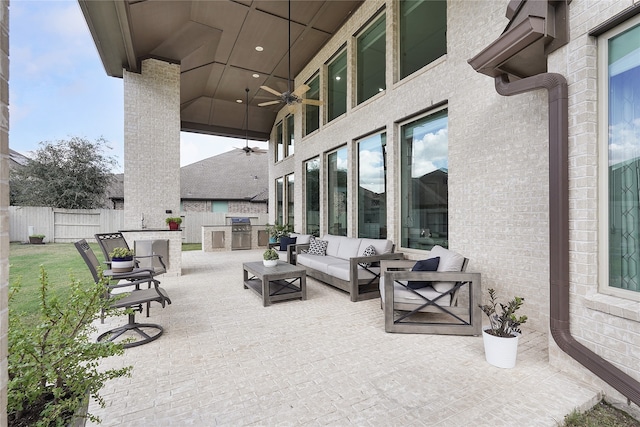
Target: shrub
[54,365]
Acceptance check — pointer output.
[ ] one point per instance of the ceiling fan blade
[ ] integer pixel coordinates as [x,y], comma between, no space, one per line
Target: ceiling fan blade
[258,150]
[291,108]
[264,104]
[273,91]
[309,101]
[301,90]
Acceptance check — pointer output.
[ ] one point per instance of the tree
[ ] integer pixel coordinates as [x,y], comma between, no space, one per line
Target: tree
[72,174]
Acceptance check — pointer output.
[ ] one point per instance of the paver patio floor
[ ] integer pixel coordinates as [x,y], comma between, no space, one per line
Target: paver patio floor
[224,359]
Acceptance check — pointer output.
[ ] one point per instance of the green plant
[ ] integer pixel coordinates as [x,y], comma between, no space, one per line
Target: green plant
[121,253]
[38,236]
[270,254]
[176,219]
[278,230]
[53,365]
[505,324]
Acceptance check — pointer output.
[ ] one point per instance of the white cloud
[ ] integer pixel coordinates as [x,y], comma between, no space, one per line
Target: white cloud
[624,142]
[371,170]
[430,153]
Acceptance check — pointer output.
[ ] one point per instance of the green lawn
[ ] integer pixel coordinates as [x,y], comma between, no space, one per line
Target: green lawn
[60,260]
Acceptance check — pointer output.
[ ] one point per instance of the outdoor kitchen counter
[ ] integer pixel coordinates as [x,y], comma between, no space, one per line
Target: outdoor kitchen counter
[174,238]
[217,238]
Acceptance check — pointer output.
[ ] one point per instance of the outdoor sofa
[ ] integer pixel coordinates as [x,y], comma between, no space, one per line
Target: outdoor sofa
[347,263]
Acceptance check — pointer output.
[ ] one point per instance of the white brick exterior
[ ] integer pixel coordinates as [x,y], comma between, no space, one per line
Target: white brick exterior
[498,166]
[151,144]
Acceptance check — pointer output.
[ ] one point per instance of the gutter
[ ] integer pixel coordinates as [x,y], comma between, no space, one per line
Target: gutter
[556,85]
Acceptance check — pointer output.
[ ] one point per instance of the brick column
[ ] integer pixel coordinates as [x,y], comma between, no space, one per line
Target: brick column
[151,144]
[4,205]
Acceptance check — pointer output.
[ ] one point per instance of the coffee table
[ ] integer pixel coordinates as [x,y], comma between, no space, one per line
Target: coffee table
[279,283]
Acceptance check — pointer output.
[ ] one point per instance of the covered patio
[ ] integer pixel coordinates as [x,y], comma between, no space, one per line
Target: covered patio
[224,359]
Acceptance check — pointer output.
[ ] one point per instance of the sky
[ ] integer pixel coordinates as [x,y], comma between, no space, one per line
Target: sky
[58,87]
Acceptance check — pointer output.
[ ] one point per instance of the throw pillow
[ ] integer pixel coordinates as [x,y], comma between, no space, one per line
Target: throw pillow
[430,264]
[368,251]
[317,247]
[286,241]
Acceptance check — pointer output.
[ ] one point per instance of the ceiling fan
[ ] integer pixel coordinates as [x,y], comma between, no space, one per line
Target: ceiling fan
[248,150]
[290,98]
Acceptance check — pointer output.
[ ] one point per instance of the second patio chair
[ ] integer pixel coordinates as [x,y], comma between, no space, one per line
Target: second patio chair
[133,300]
[110,241]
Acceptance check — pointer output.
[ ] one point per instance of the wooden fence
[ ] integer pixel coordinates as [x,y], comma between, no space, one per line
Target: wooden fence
[69,225]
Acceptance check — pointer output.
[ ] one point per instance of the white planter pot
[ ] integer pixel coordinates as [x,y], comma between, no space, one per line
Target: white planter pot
[499,351]
[121,266]
[270,262]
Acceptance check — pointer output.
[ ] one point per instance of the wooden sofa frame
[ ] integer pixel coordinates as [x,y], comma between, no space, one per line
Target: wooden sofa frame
[360,290]
[400,271]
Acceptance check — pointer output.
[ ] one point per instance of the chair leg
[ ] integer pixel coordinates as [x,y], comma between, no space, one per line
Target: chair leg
[115,333]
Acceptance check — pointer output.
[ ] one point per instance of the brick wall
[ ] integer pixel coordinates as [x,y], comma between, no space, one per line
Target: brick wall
[152,144]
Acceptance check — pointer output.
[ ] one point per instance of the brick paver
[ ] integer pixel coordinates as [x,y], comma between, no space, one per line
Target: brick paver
[224,359]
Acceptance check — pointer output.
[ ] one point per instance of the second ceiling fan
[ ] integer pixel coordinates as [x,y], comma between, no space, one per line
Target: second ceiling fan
[290,98]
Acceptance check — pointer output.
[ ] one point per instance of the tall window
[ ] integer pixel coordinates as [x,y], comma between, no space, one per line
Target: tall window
[372,187]
[290,137]
[371,48]
[312,112]
[424,187]
[279,200]
[423,33]
[290,200]
[337,192]
[312,191]
[337,75]
[279,143]
[620,50]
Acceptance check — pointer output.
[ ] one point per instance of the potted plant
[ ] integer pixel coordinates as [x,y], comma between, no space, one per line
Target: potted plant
[270,258]
[53,362]
[501,336]
[278,230]
[121,260]
[174,222]
[36,239]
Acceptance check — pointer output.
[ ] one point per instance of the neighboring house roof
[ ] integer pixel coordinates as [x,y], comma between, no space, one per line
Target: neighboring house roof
[17,159]
[228,176]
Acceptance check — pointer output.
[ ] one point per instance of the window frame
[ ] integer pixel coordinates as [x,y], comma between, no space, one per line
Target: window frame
[359,80]
[329,98]
[312,110]
[382,134]
[603,160]
[330,201]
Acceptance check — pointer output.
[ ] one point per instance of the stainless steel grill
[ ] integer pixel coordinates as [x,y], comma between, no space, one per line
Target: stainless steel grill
[240,233]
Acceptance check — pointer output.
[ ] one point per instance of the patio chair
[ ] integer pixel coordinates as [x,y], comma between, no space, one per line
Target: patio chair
[145,332]
[429,301]
[110,241]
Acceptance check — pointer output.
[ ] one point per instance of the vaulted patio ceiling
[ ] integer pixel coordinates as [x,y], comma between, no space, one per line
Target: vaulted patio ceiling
[215,44]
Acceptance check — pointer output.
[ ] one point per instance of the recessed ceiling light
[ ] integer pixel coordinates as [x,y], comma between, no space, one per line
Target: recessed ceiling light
[255,76]
[259,48]
[239,101]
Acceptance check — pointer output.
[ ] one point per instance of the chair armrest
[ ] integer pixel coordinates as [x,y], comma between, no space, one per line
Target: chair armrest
[272,245]
[299,247]
[137,257]
[377,257]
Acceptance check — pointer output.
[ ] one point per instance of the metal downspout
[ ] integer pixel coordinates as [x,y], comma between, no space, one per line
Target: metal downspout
[556,86]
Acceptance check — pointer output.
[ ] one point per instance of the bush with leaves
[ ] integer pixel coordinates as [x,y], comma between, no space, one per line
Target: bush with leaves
[53,364]
[71,174]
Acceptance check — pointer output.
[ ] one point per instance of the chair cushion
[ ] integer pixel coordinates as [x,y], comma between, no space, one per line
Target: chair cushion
[449,261]
[406,296]
[430,264]
[286,241]
[317,247]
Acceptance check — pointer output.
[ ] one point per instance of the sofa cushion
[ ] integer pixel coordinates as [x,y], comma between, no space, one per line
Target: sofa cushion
[317,247]
[286,241]
[383,246]
[348,248]
[318,262]
[333,244]
[430,264]
[342,270]
[449,261]
[406,296]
